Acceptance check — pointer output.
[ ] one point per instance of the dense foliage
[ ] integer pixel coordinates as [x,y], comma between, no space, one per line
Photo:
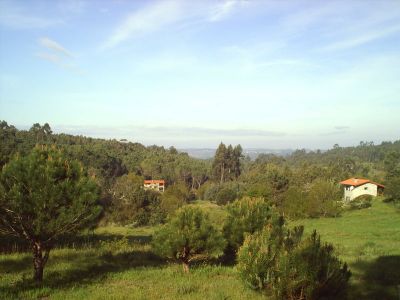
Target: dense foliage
[245,216]
[277,261]
[42,196]
[303,184]
[189,236]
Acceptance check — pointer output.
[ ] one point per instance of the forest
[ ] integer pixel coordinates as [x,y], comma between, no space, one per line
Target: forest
[259,199]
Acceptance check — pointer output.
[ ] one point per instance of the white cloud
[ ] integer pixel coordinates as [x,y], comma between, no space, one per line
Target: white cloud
[59,56]
[53,45]
[148,19]
[163,14]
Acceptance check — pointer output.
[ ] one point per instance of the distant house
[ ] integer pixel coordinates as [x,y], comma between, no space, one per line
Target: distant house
[355,187]
[157,185]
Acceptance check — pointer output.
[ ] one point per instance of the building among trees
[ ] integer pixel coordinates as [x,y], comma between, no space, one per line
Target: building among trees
[355,187]
[157,185]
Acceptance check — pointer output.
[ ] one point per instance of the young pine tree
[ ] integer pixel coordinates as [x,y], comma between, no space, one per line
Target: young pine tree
[43,196]
[189,236]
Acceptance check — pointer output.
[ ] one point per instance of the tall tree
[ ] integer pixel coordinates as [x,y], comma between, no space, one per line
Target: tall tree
[226,164]
[43,196]
[237,156]
[220,163]
[392,180]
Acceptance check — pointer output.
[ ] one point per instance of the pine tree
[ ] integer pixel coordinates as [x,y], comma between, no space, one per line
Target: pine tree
[43,196]
[189,236]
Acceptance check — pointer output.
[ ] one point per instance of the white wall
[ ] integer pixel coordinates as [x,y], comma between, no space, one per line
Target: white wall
[366,189]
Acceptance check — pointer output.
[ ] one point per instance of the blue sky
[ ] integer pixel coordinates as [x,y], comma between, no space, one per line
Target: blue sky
[274,74]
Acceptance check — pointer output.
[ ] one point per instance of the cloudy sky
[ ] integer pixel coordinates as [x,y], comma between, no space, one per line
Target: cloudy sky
[274,74]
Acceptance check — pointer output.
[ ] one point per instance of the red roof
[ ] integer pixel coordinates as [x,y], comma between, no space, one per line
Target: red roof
[358,182]
[154,181]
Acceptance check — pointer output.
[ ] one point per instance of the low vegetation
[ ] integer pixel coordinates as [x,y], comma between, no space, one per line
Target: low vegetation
[189,237]
[245,240]
[119,261]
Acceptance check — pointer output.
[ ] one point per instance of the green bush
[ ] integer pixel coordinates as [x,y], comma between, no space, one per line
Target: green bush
[294,204]
[245,216]
[363,201]
[225,195]
[188,237]
[131,204]
[276,261]
[211,191]
[323,199]
[259,190]
[174,197]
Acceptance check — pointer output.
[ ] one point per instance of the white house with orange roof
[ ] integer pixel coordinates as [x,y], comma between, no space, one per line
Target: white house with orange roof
[355,187]
[157,185]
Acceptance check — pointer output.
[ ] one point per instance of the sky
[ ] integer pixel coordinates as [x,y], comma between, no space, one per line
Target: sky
[265,74]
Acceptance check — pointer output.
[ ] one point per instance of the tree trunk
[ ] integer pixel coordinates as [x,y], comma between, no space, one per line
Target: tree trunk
[39,260]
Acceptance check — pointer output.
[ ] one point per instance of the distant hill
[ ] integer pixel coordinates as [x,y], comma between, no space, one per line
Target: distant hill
[206,153]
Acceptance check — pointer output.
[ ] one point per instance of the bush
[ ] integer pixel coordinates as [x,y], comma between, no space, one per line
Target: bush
[363,201]
[189,236]
[245,216]
[323,199]
[294,204]
[130,203]
[259,190]
[392,189]
[225,195]
[211,191]
[276,261]
[174,197]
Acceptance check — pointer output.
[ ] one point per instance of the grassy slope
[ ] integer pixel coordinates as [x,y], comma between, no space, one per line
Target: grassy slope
[120,269]
[369,240]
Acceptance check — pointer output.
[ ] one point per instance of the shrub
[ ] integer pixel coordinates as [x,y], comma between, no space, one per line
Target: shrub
[211,191]
[294,204]
[225,195]
[323,199]
[189,236]
[245,216]
[363,201]
[131,204]
[259,190]
[222,193]
[174,197]
[278,262]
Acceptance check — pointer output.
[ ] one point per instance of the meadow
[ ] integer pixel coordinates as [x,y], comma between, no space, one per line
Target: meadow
[118,263]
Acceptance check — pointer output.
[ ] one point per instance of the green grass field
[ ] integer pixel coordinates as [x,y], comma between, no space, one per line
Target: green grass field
[369,241]
[118,263]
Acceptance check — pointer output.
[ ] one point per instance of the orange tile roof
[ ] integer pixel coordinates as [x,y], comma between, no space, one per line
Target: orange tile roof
[358,182]
[154,181]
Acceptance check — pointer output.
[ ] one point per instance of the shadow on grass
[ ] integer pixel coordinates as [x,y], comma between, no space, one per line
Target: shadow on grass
[13,244]
[67,269]
[15,265]
[378,279]
[82,270]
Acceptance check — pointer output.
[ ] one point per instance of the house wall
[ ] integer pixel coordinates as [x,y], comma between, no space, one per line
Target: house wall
[351,192]
[154,186]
